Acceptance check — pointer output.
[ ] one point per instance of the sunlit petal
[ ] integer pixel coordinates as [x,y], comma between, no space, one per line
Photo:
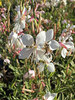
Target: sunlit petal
[54,45]
[27,40]
[26,53]
[49,35]
[63,52]
[69,45]
[51,67]
[41,38]
[41,67]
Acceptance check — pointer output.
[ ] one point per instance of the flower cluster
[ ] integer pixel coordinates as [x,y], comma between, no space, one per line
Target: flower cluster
[41,48]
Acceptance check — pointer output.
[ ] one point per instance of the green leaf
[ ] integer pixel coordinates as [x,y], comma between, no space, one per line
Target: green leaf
[11,67]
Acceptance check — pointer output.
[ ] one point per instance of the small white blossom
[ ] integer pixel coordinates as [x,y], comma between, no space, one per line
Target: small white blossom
[47,60]
[20,19]
[15,40]
[65,41]
[49,96]
[35,49]
[31,73]
[7,61]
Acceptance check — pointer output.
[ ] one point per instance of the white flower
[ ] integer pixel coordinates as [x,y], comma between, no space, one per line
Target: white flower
[53,44]
[50,65]
[20,19]
[67,44]
[31,73]
[32,49]
[42,38]
[7,61]
[54,2]
[49,96]
[17,28]
[15,40]
[65,2]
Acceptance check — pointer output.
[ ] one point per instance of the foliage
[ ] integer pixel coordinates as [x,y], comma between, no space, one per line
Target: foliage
[13,83]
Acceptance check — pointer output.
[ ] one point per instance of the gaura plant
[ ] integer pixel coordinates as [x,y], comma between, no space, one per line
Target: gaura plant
[39,50]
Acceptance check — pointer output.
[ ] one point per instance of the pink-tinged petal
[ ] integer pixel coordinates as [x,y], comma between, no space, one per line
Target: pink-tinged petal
[73,32]
[31,74]
[43,84]
[20,33]
[69,45]
[19,51]
[37,6]
[31,19]
[62,45]
[3,16]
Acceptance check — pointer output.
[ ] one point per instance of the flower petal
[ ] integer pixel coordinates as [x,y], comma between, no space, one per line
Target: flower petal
[63,52]
[47,95]
[49,35]
[39,54]
[46,58]
[23,10]
[18,13]
[54,45]
[31,74]
[51,67]
[41,38]
[22,24]
[41,67]
[27,39]
[69,45]
[17,28]
[26,53]
[52,96]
